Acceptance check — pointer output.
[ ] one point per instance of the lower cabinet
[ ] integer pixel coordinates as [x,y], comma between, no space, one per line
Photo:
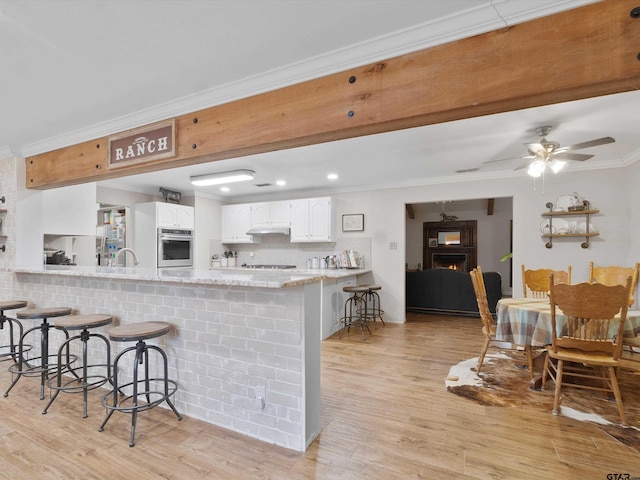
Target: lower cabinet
[333,299]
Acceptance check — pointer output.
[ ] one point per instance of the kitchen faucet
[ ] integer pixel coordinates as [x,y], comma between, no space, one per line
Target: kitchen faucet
[121,251]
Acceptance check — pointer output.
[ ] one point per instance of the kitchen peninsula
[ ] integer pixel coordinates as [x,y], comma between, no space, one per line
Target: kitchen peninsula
[238,335]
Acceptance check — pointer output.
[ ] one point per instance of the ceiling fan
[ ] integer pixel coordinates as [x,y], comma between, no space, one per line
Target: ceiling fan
[547,153]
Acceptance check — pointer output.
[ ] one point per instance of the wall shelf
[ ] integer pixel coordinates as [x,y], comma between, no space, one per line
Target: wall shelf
[585,212]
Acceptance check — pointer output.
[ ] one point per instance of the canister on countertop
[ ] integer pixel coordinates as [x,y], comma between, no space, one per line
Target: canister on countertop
[315,262]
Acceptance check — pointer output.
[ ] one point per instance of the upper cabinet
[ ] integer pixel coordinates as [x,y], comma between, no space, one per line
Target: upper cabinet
[312,220]
[69,210]
[271,214]
[173,215]
[236,222]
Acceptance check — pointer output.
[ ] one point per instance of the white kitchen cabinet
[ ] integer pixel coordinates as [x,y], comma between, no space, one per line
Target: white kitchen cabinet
[236,222]
[270,214]
[69,210]
[173,215]
[312,220]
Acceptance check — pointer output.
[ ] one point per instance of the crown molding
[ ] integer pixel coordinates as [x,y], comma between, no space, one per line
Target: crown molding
[474,21]
[5,153]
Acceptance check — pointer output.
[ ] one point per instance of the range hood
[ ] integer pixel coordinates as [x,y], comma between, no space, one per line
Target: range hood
[268,231]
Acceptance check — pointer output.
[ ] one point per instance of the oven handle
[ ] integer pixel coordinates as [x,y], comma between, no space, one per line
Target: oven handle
[165,236]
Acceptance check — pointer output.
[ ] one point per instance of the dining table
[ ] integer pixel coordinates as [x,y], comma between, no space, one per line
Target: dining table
[527,322]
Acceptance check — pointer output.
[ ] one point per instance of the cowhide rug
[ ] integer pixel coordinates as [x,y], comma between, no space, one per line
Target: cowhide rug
[504,382]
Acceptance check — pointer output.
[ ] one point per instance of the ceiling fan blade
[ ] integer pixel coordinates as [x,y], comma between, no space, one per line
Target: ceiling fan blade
[580,157]
[590,143]
[508,159]
[524,165]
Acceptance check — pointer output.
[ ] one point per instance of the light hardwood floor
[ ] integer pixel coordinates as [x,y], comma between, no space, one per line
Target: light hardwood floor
[386,415]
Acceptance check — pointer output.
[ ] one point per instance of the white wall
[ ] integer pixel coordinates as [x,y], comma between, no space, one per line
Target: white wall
[208,231]
[608,190]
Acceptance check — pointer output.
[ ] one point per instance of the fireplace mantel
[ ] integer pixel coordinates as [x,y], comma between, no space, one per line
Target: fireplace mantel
[442,249]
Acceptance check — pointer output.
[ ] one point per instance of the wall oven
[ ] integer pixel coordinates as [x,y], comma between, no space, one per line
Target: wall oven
[175,247]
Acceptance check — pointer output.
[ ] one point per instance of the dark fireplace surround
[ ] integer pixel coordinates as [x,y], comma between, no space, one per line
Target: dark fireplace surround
[460,256]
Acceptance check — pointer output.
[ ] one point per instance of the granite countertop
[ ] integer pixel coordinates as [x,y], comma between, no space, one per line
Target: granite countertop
[223,276]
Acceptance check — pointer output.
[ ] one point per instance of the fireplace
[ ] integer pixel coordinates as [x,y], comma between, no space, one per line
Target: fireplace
[450,244]
[452,261]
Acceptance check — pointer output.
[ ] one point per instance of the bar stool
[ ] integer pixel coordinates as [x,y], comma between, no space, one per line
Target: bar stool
[44,368]
[372,303]
[11,350]
[86,382]
[139,332]
[355,310]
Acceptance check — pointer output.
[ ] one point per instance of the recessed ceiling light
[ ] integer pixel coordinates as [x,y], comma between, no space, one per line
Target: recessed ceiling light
[332,176]
[281,182]
[224,189]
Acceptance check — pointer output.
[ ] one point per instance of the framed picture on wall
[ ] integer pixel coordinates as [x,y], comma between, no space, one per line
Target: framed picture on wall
[353,222]
[433,242]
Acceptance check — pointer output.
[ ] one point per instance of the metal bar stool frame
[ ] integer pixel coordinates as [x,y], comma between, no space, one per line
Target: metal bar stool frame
[85,382]
[111,401]
[45,368]
[371,299]
[354,313]
[12,352]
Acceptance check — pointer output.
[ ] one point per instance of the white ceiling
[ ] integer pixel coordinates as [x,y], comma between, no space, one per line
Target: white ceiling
[77,70]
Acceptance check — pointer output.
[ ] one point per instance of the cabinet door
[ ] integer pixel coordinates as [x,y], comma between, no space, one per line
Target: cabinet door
[236,221]
[300,221]
[280,214]
[260,214]
[185,216]
[165,215]
[243,223]
[320,220]
[228,224]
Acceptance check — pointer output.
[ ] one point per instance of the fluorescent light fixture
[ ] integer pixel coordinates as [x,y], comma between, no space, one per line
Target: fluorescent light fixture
[222,177]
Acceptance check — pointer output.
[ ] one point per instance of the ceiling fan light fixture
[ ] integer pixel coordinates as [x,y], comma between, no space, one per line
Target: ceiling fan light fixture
[536,168]
[557,165]
[222,177]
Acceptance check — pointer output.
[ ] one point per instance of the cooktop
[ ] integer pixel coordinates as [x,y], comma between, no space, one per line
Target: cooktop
[272,267]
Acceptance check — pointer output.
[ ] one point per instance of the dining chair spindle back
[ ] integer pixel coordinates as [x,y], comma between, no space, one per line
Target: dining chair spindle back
[591,341]
[535,283]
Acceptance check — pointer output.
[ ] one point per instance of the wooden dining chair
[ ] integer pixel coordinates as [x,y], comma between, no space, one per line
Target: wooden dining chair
[590,341]
[614,276]
[535,283]
[488,325]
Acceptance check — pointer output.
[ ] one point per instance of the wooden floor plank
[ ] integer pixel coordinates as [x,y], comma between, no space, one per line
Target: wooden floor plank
[386,414]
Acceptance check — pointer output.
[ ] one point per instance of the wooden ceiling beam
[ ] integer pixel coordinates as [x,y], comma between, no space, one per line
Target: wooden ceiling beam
[490,203]
[410,212]
[584,52]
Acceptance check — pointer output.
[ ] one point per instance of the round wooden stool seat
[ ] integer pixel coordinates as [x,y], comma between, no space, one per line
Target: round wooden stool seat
[354,289]
[12,304]
[80,322]
[35,313]
[373,287]
[139,331]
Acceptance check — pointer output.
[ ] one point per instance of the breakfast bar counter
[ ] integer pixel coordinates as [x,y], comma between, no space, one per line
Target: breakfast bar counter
[238,336]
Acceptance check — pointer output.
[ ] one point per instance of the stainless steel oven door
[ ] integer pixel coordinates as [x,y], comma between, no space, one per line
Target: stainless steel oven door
[175,248]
